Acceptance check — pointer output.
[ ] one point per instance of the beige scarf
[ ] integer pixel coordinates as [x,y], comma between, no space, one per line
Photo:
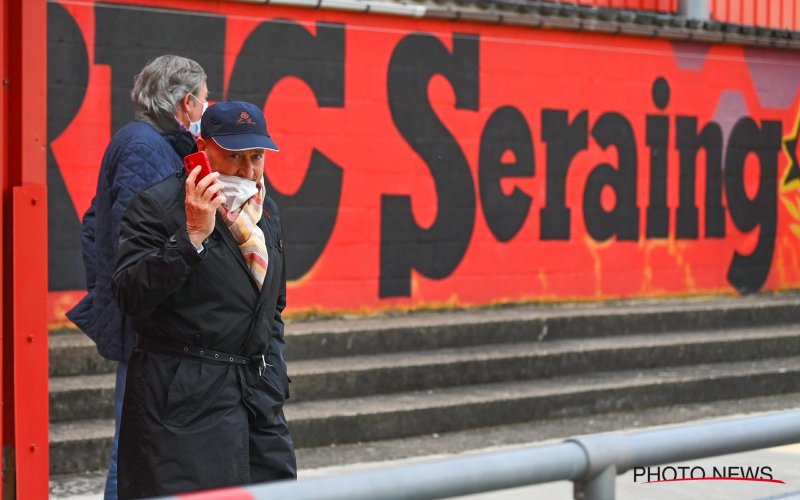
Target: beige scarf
[243,224]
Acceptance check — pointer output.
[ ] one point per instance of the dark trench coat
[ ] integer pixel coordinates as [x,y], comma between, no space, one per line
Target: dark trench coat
[191,423]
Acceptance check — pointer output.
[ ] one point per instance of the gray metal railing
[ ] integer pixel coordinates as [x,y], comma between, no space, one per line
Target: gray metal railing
[592,462]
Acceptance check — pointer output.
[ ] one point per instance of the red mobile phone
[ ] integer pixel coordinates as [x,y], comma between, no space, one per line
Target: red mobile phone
[195,159]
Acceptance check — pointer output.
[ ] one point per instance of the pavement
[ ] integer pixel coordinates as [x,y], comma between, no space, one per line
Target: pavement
[783,462]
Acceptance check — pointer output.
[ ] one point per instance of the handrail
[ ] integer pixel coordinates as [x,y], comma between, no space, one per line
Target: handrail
[590,461]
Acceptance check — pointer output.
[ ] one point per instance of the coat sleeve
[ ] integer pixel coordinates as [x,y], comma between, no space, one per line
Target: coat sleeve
[277,323]
[88,225]
[277,343]
[153,261]
[83,312]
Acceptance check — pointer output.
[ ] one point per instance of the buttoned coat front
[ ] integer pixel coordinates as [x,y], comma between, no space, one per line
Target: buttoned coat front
[190,423]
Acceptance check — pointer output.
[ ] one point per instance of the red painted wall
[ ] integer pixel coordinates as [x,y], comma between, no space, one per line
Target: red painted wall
[430,162]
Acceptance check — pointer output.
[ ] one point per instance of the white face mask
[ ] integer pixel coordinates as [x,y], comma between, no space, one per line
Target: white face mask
[194,127]
[237,190]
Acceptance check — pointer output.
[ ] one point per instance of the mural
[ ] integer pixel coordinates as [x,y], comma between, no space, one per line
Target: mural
[427,163]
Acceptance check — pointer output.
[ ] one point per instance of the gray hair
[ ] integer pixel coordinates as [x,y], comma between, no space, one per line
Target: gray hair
[160,87]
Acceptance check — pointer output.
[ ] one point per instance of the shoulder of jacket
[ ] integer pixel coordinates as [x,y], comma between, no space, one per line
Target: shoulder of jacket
[166,197]
[167,190]
[136,135]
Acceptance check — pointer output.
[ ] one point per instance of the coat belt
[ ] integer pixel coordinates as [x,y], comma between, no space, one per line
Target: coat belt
[163,346]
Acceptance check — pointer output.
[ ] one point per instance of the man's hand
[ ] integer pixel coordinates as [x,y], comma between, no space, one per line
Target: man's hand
[201,205]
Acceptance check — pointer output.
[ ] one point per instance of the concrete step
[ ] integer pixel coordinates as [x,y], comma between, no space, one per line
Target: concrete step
[85,445]
[423,373]
[505,325]
[82,397]
[80,446]
[407,371]
[319,423]
[91,396]
[73,353]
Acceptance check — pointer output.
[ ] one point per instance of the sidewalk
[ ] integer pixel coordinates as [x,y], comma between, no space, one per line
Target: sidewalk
[783,463]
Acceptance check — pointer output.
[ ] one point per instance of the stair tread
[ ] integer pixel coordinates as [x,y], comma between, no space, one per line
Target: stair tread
[473,353]
[78,430]
[82,382]
[480,347]
[486,393]
[517,313]
[69,339]
[496,392]
[530,349]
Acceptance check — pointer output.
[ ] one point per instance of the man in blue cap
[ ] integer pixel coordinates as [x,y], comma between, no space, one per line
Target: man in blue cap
[201,275]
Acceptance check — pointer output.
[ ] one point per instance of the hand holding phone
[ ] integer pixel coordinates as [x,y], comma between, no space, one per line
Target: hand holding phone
[200,210]
[198,159]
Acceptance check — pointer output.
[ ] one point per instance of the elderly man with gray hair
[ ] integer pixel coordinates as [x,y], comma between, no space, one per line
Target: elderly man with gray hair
[170,95]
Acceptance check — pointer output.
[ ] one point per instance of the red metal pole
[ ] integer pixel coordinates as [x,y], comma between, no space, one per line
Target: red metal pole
[3,162]
[23,115]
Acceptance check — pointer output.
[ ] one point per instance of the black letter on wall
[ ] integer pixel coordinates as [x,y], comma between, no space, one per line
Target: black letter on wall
[67,78]
[658,141]
[564,141]
[128,37]
[747,273]
[280,49]
[623,220]
[657,211]
[688,143]
[506,130]
[436,251]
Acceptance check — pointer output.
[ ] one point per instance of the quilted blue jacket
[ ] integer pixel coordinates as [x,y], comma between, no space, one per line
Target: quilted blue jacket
[137,157]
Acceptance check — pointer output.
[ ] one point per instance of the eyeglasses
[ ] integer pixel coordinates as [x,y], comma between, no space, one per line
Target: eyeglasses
[198,100]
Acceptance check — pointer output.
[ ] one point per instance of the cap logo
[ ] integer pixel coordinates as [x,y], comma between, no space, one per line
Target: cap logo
[244,119]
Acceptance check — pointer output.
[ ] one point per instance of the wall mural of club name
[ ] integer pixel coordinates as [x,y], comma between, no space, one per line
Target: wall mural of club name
[425,163]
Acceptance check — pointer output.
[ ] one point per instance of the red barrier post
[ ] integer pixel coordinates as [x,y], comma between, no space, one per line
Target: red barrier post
[23,142]
[3,162]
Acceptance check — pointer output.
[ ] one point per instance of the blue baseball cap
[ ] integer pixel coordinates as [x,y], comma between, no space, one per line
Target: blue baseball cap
[236,126]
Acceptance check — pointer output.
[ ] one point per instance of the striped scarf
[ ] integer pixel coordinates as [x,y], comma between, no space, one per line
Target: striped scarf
[243,224]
